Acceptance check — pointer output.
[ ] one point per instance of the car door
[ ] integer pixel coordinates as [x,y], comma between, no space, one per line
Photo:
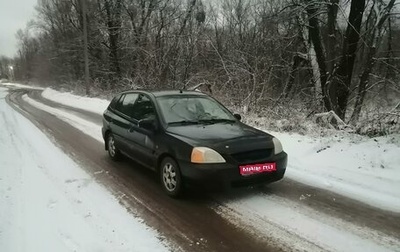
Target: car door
[141,140]
[120,122]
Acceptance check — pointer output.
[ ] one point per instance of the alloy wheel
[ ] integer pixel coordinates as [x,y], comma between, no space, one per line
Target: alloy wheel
[111,146]
[113,151]
[169,177]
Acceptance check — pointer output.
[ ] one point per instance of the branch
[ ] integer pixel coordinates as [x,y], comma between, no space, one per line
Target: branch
[330,120]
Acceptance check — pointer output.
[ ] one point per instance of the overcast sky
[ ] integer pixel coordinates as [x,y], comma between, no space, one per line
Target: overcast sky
[14,14]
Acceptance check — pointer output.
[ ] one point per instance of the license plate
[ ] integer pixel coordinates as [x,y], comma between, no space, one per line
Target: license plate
[257,168]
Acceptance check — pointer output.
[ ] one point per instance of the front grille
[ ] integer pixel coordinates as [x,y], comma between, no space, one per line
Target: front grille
[252,156]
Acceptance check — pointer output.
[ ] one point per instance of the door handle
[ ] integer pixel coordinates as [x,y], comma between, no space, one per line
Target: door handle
[131,128]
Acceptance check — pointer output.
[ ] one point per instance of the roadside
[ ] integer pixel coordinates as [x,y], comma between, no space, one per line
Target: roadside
[283,213]
[190,224]
[358,167]
[48,203]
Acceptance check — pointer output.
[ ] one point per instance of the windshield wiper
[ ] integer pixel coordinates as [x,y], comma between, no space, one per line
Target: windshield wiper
[184,122]
[217,120]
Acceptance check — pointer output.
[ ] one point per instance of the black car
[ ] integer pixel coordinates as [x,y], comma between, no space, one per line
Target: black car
[189,137]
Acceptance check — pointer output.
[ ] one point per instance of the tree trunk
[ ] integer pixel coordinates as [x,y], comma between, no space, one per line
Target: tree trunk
[370,60]
[146,9]
[363,86]
[85,47]
[341,80]
[316,40]
[332,44]
[114,26]
[297,59]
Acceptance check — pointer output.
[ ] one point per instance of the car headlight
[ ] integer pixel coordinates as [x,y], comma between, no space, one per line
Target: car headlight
[204,155]
[277,145]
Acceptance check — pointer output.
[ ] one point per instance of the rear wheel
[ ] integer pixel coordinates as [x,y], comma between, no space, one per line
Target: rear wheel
[171,179]
[113,152]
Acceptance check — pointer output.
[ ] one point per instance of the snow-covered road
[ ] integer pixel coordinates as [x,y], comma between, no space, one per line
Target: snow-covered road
[283,220]
[357,167]
[48,203]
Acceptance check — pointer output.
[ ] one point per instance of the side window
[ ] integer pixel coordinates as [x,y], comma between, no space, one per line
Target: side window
[143,108]
[127,103]
[114,102]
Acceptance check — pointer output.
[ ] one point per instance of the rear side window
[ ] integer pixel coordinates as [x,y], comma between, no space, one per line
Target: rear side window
[114,102]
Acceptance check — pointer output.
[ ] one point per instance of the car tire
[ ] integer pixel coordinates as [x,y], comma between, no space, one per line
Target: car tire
[171,179]
[113,151]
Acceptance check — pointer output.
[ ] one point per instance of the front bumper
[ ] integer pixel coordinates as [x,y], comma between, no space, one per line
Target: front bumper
[227,175]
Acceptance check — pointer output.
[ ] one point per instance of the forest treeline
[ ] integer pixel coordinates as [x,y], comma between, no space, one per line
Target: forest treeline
[327,54]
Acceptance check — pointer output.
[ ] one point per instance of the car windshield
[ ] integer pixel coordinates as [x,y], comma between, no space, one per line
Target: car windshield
[193,110]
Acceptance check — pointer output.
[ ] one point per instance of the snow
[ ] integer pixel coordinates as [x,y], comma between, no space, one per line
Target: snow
[48,203]
[94,105]
[89,128]
[17,85]
[357,167]
[305,229]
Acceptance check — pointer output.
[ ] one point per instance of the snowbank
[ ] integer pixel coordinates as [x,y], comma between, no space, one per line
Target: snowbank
[17,85]
[94,105]
[361,168]
[358,167]
[48,203]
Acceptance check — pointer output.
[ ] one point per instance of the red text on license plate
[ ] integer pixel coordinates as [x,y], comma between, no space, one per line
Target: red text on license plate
[257,168]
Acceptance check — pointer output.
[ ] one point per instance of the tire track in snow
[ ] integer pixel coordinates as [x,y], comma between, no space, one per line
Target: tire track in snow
[300,227]
[72,209]
[189,224]
[300,237]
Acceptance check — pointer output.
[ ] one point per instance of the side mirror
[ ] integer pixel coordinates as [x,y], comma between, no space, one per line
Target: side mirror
[237,116]
[148,124]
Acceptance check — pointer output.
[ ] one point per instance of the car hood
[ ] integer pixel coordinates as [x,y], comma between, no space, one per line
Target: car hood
[223,137]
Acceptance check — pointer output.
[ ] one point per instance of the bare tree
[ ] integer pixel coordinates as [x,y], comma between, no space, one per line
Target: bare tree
[256,53]
[380,13]
[113,13]
[339,86]
[85,47]
[318,47]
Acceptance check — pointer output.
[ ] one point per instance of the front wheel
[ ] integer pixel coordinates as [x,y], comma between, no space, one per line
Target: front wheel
[171,179]
[113,152]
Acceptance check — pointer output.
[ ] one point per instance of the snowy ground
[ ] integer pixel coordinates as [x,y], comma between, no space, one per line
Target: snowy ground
[304,228]
[48,203]
[360,168]
[365,169]
[94,105]
[17,85]
[357,167]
